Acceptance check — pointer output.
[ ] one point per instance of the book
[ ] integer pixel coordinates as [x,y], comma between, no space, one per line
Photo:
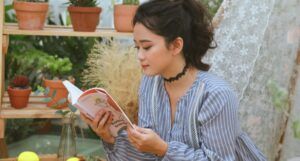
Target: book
[92,100]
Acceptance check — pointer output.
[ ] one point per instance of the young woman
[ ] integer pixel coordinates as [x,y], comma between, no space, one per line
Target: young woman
[185,113]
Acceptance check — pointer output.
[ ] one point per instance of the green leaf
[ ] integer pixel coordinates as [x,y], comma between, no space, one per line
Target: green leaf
[47,90]
[72,108]
[62,101]
[60,112]
[54,93]
[296,129]
[47,99]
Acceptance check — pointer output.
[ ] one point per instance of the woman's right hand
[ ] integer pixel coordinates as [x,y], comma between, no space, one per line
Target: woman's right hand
[100,125]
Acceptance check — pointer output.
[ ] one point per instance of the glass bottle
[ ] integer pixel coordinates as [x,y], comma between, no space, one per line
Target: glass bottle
[67,144]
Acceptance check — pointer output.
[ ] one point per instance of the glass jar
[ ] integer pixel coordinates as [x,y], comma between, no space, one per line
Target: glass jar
[67,144]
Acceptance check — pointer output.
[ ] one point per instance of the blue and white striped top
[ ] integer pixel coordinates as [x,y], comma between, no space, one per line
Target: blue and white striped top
[205,128]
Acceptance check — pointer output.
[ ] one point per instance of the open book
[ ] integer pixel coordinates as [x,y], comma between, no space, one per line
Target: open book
[92,100]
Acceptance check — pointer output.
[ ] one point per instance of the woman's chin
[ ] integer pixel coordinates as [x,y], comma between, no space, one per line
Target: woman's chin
[149,73]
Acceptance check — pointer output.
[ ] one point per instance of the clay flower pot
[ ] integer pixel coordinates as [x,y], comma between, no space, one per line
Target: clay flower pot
[61,92]
[31,15]
[123,16]
[18,97]
[84,18]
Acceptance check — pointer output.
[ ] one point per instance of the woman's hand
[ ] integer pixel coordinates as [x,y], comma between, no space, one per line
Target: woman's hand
[100,125]
[146,140]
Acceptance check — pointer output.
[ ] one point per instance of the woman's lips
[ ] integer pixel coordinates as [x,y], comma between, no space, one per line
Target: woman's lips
[144,66]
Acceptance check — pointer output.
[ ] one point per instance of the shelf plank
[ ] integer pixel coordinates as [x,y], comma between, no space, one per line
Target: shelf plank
[51,30]
[36,109]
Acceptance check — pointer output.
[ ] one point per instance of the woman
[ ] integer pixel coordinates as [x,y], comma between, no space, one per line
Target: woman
[185,113]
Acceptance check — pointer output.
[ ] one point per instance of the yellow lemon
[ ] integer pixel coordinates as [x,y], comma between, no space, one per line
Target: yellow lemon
[73,159]
[28,156]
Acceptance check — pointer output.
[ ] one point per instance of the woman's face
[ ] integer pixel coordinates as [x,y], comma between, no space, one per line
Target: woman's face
[153,54]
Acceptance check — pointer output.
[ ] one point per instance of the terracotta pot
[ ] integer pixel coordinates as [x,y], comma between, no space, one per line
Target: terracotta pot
[18,97]
[123,16]
[61,92]
[85,18]
[31,15]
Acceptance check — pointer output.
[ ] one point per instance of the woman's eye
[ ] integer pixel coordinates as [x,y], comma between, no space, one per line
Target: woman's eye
[147,48]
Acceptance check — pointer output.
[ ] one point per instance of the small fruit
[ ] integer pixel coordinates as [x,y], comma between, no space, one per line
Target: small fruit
[28,156]
[73,159]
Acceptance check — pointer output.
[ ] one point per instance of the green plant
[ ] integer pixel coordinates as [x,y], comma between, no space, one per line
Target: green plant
[131,2]
[56,68]
[20,81]
[83,3]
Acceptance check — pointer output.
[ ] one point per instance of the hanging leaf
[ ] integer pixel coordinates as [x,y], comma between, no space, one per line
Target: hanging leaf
[72,108]
[62,101]
[47,90]
[54,93]
[62,112]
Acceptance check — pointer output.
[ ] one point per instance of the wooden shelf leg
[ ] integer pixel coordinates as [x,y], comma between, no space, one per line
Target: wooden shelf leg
[3,146]
[5,43]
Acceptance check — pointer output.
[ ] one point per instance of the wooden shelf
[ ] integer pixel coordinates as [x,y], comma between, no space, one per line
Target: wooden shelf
[51,30]
[36,109]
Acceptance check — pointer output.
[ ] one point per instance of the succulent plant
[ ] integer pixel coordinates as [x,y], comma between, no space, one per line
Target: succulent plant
[20,81]
[83,3]
[131,2]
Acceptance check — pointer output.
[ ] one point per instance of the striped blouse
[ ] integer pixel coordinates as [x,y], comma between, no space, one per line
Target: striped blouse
[205,128]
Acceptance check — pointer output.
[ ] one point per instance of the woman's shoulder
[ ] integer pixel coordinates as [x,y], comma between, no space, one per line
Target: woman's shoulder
[147,84]
[214,83]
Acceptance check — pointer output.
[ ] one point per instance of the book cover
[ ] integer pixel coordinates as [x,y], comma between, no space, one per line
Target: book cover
[92,100]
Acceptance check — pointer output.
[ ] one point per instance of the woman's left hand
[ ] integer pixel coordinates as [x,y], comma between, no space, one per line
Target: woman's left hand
[146,140]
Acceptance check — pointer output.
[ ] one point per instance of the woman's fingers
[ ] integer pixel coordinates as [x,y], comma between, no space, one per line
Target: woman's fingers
[109,122]
[103,120]
[97,118]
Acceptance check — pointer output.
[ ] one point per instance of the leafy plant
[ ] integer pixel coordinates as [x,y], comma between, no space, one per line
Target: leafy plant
[131,2]
[83,3]
[20,81]
[56,68]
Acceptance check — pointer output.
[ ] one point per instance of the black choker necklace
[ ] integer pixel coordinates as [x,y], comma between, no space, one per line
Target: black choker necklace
[179,75]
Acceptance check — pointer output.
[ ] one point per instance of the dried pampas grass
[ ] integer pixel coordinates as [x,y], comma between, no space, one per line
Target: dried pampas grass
[115,67]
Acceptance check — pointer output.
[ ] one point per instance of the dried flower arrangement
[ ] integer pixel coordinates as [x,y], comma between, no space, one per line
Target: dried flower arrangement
[115,67]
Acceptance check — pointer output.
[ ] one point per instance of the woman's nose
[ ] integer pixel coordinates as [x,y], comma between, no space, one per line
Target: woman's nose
[140,55]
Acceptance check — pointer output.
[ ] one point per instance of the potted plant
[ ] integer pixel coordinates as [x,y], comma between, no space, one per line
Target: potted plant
[19,91]
[123,15]
[84,14]
[31,14]
[54,72]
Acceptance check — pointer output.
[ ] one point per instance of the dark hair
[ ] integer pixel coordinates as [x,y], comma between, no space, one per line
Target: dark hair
[187,19]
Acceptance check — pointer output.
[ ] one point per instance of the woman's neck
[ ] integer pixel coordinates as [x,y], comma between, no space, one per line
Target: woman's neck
[185,80]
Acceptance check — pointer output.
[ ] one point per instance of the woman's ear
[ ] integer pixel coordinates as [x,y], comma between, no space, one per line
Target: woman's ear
[177,46]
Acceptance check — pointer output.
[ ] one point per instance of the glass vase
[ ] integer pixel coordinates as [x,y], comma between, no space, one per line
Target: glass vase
[67,144]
